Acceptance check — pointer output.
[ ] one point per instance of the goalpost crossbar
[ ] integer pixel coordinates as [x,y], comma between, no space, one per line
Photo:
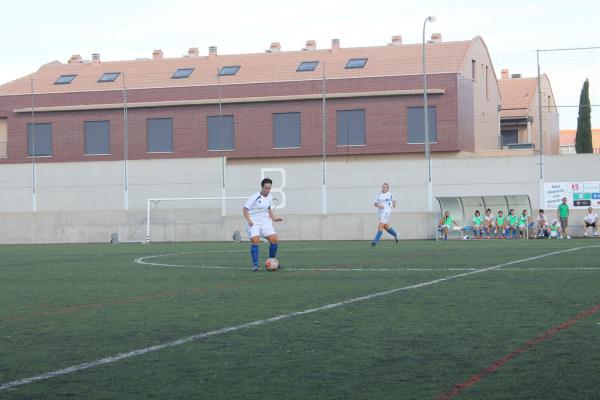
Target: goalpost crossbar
[159,200]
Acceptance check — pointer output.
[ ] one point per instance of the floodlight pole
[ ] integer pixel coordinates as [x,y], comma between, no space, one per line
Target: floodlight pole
[426,122]
[541,131]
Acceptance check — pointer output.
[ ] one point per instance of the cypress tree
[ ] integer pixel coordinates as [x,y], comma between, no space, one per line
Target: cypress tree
[583,137]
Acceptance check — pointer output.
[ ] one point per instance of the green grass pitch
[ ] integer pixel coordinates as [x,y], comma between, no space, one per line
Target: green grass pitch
[342,320]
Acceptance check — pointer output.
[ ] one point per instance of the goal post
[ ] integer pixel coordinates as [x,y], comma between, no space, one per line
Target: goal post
[156,201]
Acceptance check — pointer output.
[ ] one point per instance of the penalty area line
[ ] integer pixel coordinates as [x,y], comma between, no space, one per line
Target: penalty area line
[260,322]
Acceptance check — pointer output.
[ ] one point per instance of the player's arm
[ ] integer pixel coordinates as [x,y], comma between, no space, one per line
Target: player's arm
[376,204]
[247,216]
[273,217]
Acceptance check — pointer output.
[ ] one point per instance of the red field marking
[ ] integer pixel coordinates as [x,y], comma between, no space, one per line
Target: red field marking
[496,365]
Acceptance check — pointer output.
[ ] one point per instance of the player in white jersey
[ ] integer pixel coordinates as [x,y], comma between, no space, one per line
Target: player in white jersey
[384,201]
[259,217]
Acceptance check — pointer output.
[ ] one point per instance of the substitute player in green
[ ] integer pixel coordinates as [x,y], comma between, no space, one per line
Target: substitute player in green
[563,217]
[500,224]
[478,225]
[523,224]
[447,223]
[512,223]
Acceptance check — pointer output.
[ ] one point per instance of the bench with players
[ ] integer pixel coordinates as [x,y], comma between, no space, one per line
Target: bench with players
[513,226]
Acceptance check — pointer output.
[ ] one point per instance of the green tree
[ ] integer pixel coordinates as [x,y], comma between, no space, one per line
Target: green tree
[583,137]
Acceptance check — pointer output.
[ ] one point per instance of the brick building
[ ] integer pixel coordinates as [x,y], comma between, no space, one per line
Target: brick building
[274,104]
[520,117]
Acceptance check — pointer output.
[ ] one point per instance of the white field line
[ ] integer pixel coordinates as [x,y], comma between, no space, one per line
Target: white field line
[141,260]
[281,317]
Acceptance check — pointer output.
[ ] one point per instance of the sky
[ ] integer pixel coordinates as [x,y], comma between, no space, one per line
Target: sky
[36,32]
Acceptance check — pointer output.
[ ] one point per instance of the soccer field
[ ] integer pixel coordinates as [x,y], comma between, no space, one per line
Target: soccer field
[505,319]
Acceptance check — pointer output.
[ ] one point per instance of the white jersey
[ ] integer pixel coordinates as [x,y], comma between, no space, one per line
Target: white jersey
[386,199]
[258,207]
[541,220]
[590,218]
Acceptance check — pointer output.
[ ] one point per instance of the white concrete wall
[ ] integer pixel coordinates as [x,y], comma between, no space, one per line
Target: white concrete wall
[84,202]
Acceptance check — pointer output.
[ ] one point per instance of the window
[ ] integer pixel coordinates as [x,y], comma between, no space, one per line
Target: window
[159,135]
[109,77]
[64,79]
[356,63]
[182,73]
[3,138]
[220,133]
[510,137]
[487,86]
[286,130]
[307,66]
[96,137]
[416,125]
[39,140]
[230,70]
[473,69]
[351,128]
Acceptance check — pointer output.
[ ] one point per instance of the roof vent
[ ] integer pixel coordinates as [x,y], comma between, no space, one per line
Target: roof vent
[396,40]
[95,58]
[157,54]
[515,76]
[275,47]
[436,38]
[310,45]
[212,51]
[193,52]
[504,73]
[75,59]
[335,44]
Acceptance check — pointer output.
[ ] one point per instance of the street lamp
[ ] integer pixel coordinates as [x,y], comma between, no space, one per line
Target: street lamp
[426,122]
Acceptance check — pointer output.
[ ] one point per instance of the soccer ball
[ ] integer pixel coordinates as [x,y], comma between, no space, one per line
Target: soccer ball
[272,264]
[465,237]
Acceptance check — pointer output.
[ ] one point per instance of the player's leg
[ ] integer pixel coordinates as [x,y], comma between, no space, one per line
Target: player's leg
[380,228]
[254,236]
[391,231]
[268,232]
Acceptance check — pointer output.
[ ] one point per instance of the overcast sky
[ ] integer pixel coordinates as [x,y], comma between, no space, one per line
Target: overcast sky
[36,32]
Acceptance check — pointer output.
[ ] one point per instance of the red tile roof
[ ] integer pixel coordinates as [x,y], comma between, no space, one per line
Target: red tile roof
[444,57]
[517,95]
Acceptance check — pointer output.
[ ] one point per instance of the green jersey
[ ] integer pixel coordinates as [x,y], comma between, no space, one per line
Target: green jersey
[512,219]
[523,219]
[554,228]
[477,220]
[448,221]
[500,221]
[563,210]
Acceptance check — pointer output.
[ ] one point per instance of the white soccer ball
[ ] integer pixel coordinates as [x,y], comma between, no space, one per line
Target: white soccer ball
[272,264]
[465,237]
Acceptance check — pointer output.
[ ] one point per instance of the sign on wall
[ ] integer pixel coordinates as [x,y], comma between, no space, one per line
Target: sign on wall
[578,194]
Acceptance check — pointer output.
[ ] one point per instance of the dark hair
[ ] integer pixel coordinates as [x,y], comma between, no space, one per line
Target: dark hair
[541,211]
[264,181]
[489,209]
[477,211]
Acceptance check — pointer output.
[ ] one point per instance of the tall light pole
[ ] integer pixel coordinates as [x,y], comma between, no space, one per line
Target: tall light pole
[426,122]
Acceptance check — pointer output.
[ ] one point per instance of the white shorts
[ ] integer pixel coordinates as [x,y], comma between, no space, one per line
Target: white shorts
[265,229]
[384,215]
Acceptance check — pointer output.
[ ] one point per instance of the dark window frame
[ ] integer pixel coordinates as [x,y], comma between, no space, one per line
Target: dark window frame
[341,128]
[87,133]
[210,133]
[432,124]
[33,134]
[150,121]
[65,79]
[109,77]
[280,136]
[356,63]
[307,66]
[229,70]
[183,73]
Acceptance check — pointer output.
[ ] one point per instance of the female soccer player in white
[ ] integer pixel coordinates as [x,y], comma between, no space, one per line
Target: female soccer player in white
[384,201]
[258,214]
